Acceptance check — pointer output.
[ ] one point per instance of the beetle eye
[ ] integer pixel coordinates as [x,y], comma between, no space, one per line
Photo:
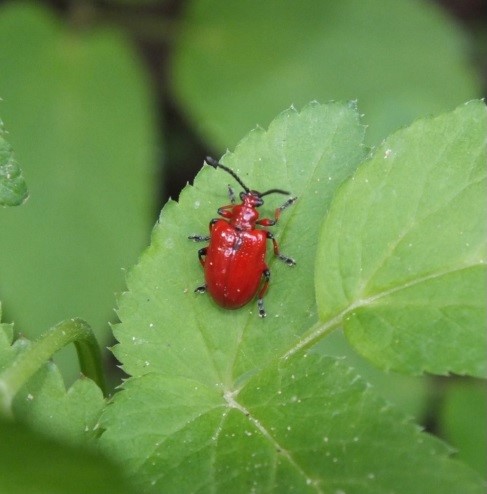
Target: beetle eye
[242,195]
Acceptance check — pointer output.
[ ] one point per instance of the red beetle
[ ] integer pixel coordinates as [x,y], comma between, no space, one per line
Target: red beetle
[234,261]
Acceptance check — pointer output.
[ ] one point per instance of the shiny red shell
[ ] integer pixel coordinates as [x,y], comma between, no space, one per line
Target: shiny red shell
[235,261]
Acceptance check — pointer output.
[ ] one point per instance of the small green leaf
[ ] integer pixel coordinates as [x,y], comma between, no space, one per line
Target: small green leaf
[32,464]
[42,401]
[402,251]
[71,416]
[13,189]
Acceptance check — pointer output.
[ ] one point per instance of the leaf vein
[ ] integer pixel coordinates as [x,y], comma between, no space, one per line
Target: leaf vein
[321,329]
[232,403]
[407,230]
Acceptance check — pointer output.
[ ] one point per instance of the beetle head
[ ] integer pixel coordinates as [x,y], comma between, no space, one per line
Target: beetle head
[251,198]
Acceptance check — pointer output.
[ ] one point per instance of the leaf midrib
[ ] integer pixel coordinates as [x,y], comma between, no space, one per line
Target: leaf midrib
[320,329]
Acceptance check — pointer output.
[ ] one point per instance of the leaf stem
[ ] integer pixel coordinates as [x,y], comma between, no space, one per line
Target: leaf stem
[316,332]
[31,360]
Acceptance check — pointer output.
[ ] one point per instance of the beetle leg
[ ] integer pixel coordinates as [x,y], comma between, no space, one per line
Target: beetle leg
[288,203]
[203,238]
[226,211]
[277,213]
[260,300]
[288,260]
[201,255]
[231,194]
[199,238]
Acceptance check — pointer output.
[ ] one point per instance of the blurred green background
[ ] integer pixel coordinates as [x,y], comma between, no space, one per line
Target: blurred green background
[112,105]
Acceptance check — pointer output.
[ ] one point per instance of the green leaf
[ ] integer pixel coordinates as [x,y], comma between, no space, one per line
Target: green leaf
[79,115]
[238,63]
[168,328]
[462,422]
[43,402]
[402,252]
[71,416]
[30,361]
[409,393]
[32,464]
[223,401]
[13,189]
[306,424]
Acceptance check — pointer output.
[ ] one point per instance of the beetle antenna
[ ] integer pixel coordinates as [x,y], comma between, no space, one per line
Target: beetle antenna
[215,164]
[275,191]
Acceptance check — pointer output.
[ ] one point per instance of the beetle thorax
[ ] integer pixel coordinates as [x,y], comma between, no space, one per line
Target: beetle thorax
[245,215]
